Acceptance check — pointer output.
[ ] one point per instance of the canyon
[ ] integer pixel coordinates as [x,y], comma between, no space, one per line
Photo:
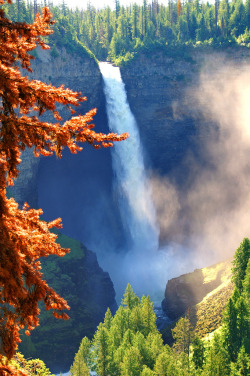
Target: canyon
[180,138]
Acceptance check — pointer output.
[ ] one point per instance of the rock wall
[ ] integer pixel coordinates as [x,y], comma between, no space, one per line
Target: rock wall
[78,278]
[189,289]
[80,74]
[162,93]
[180,136]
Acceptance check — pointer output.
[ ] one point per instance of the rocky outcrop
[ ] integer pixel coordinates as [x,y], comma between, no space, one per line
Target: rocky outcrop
[78,278]
[186,291]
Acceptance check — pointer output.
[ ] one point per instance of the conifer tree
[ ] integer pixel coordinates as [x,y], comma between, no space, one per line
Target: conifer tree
[242,366]
[231,336]
[241,258]
[148,315]
[24,237]
[183,335]
[82,359]
[217,359]
[198,355]
[108,319]
[246,285]
[130,300]
[132,362]
[101,351]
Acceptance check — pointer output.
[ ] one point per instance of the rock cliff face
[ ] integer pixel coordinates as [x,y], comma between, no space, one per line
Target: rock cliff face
[156,88]
[182,138]
[201,295]
[78,278]
[190,289]
[78,74]
[162,93]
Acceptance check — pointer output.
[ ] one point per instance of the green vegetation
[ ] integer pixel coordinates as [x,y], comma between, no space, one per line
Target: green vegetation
[80,280]
[206,316]
[120,34]
[129,343]
[31,367]
[211,287]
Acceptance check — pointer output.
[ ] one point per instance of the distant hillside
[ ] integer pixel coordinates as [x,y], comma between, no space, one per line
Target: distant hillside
[202,294]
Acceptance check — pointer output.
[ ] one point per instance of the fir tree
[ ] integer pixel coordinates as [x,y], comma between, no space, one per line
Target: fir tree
[240,262]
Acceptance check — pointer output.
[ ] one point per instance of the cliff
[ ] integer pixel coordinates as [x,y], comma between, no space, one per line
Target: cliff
[78,278]
[77,73]
[188,117]
[162,93]
[203,294]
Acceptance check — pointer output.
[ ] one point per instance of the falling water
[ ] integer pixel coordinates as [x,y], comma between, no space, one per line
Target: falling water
[135,204]
[140,263]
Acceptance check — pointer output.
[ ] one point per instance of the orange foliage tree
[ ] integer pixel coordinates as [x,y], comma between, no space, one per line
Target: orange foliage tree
[179,7]
[24,238]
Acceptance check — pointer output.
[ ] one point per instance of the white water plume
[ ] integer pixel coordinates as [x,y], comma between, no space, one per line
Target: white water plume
[127,157]
[140,264]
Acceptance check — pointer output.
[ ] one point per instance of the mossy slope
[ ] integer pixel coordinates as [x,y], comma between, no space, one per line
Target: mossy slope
[89,291]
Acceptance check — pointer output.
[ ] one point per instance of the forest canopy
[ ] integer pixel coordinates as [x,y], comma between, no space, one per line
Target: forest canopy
[118,35]
[130,344]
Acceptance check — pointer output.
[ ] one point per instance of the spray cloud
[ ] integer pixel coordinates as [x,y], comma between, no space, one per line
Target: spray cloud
[204,221]
[210,217]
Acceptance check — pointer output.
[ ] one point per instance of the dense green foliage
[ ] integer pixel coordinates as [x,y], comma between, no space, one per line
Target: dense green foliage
[240,262]
[81,281]
[118,35]
[129,343]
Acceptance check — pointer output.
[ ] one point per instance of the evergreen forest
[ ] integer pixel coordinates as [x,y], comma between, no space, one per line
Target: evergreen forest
[129,343]
[118,35]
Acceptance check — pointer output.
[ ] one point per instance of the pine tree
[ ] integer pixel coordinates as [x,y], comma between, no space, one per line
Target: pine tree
[101,351]
[217,359]
[247,10]
[24,237]
[148,315]
[198,355]
[183,335]
[246,286]
[108,319]
[242,366]
[81,360]
[240,262]
[223,16]
[135,32]
[230,333]
[166,364]
[130,300]
[132,362]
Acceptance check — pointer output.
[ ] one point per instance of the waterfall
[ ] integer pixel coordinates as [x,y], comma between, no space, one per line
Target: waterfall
[135,202]
[140,263]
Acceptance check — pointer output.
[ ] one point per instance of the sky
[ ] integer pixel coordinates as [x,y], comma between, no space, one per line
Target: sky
[95,3]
